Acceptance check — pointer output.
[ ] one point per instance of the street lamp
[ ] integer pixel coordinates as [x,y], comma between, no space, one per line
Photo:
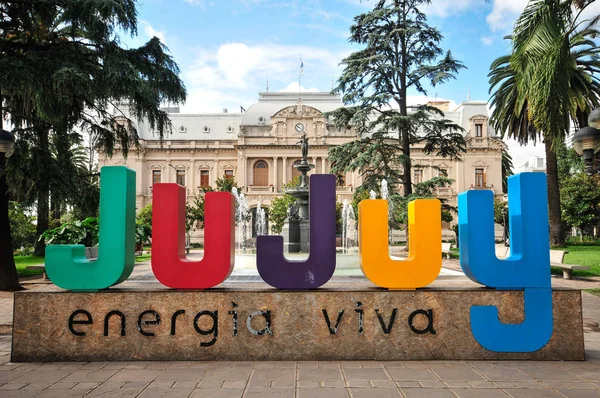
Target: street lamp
[586,141]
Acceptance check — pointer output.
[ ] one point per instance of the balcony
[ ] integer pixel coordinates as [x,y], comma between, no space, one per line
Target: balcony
[482,187]
[340,189]
[260,189]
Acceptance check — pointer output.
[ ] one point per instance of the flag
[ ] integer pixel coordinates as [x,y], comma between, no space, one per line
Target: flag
[301,66]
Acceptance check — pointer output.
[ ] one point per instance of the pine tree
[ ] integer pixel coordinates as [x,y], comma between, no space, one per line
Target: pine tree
[401,52]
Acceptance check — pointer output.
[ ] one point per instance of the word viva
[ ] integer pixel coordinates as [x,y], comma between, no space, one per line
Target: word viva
[526,269]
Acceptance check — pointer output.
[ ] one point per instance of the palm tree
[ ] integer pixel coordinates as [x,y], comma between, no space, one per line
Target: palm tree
[550,79]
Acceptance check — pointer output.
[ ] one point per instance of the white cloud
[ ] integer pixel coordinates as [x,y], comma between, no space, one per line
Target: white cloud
[412,100]
[487,40]
[445,8]
[293,88]
[504,13]
[234,72]
[151,32]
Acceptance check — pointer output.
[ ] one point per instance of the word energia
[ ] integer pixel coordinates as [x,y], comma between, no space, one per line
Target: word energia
[526,269]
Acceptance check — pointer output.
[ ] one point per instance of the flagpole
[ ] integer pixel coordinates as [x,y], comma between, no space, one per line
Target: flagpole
[299,74]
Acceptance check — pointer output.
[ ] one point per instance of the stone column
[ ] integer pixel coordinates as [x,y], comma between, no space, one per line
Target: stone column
[193,182]
[323,161]
[275,182]
[284,170]
[217,172]
[314,161]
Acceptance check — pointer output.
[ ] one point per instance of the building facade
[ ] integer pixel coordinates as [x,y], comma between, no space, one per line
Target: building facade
[260,146]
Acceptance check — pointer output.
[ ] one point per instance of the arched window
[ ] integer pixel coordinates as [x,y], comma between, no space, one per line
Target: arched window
[261,174]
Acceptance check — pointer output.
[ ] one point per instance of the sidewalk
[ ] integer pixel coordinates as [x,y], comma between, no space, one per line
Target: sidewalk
[333,379]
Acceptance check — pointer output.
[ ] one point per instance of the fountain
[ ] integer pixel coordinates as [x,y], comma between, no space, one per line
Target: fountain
[241,216]
[260,223]
[349,233]
[296,228]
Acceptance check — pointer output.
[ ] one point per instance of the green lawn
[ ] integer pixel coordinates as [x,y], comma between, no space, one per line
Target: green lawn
[582,255]
[595,292]
[23,261]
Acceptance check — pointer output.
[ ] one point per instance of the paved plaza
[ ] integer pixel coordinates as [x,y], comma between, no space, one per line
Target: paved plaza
[309,379]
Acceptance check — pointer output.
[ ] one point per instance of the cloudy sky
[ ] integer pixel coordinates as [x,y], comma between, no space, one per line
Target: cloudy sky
[227,49]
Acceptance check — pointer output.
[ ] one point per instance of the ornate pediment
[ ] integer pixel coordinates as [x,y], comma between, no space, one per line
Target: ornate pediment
[299,111]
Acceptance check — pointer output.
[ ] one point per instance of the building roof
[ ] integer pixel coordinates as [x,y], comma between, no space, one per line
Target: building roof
[226,126]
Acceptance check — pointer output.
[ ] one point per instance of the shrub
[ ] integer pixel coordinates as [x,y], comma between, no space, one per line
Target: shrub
[74,233]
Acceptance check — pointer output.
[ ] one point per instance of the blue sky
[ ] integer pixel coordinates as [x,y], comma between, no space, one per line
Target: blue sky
[227,48]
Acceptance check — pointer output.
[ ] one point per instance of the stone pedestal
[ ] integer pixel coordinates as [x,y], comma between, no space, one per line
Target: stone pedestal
[296,236]
[250,324]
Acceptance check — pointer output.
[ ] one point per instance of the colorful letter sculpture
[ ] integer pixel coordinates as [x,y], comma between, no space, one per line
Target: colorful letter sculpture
[527,268]
[318,268]
[424,261]
[169,263]
[67,265]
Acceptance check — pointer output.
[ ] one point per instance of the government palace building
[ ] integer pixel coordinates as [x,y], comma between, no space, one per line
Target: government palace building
[260,146]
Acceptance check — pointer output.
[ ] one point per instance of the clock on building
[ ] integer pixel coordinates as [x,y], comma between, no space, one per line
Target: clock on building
[299,128]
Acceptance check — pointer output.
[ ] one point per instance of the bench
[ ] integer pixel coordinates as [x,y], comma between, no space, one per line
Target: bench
[91,253]
[446,249]
[556,260]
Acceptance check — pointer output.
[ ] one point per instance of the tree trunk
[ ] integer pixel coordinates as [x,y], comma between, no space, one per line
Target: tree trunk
[43,191]
[557,236]
[406,177]
[9,279]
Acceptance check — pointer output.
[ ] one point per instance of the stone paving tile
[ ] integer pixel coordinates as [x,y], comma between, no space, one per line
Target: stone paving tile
[481,384]
[135,374]
[122,392]
[61,386]
[329,365]
[427,393]
[62,393]
[158,393]
[414,364]
[580,393]
[408,384]
[308,384]
[365,374]
[457,384]
[12,386]
[274,374]
[6,376]
[372,364]
[358,383]
[184,385]
[405,374]
[533,393]
[583,385]
[19,394]
[383,384]
[308,365]
[552,374]
[47,376]
[157,365]
[333,384]
[283,384]
[322,393]
[86,386]
[181,375]
[477,393]
[455,371]
[504,373]
[210,384]
[218,393]
[432,384]
[350,364]
[89,375]
[374,393]
[272,393]
[589,375]
[507,384]
[285,364]
[39,386]
[234,384]
[319,374]
[226,374]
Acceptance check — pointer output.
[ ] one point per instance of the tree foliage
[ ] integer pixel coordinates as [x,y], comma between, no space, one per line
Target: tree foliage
[400,52]
[278,211]
[550,77]
[580,200]
[22,226]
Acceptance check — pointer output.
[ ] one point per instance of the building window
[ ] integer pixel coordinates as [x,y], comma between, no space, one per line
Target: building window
[155,177]
[229,174]
[204,175]
[418,176]
[479,130]
[442,172]
[261,174]
[181,177]
[340,180]
[479,178]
